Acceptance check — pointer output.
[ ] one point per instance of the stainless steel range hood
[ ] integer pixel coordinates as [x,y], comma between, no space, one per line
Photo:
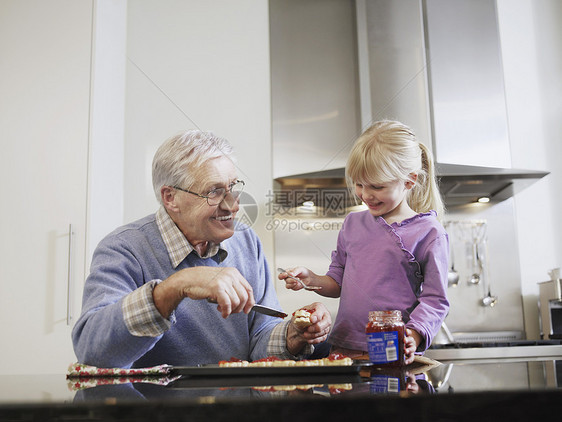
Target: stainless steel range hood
[459,184]
[433,64]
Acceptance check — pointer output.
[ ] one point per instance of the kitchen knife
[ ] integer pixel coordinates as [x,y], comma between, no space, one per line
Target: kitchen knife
[269,311]
[266,310]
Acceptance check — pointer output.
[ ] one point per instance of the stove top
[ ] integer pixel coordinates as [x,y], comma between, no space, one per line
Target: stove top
[527,349]
[514,343]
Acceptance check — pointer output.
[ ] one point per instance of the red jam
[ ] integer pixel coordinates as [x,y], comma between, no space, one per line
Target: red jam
[336,356]
[310,311]
[385,338]
[268,359]
[232,359]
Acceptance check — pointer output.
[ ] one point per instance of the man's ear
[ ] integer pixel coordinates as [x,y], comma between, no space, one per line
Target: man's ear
[410,183]
[168,195]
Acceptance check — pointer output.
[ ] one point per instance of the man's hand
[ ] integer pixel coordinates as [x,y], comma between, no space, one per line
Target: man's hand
[223,285]
[316,333]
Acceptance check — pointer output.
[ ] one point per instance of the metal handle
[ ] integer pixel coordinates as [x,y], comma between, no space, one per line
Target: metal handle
[69,285]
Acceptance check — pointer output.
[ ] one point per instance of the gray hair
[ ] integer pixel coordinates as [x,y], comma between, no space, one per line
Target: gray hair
[179,158]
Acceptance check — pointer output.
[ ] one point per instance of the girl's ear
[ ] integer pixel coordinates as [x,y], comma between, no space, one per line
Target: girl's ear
[411,182]
[168,195]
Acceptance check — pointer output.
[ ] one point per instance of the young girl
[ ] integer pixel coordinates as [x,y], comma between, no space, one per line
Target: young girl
[393,255]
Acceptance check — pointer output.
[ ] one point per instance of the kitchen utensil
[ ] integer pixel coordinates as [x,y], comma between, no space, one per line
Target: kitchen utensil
[281,270]
[478,233]
[555,278]
[550,306]
[488,300]
[554,274]
[452,275]
[475,277]
[266,310]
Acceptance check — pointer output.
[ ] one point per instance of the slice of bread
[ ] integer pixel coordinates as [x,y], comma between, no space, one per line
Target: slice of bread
[302,319]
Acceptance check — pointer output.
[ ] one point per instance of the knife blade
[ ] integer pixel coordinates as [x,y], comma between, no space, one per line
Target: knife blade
[266,310]
[269,311]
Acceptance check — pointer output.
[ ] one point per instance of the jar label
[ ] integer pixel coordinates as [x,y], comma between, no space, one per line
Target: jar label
[383,346]
[385,384]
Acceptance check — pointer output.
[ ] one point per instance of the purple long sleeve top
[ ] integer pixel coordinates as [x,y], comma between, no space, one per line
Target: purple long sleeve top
[399,266]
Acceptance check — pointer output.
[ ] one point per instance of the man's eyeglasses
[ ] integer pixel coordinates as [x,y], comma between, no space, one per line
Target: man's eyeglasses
[217,195]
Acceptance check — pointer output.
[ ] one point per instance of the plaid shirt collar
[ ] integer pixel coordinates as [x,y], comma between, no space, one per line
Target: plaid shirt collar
[177,245]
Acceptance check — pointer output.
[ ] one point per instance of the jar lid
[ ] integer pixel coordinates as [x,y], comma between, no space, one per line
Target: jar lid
[394,314]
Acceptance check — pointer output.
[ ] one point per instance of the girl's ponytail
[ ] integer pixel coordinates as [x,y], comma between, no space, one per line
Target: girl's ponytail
[425,195]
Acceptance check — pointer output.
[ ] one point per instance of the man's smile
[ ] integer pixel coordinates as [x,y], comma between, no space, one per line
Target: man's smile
[225,217]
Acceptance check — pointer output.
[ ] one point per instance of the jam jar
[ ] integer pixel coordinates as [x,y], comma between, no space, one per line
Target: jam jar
[385,338]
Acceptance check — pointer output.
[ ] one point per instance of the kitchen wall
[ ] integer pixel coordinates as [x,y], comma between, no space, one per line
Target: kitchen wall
[207,64]
[107,121]
[531,40]
[500,276]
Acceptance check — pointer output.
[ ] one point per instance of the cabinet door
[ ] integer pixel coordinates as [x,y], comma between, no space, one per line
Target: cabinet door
[45,50]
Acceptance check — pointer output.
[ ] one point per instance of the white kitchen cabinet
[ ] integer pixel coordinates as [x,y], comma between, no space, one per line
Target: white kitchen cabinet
[45,57]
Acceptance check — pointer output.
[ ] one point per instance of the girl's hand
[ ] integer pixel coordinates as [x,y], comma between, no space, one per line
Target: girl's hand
[411,341]
[411,384]
[300,272]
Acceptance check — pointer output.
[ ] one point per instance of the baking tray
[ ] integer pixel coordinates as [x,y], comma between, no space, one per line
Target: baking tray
[244,371]
[255,381]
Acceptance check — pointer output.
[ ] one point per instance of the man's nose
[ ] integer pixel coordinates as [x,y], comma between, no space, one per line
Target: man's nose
[230,202]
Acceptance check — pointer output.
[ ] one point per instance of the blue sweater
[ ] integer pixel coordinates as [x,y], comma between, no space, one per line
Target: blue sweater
[135,254]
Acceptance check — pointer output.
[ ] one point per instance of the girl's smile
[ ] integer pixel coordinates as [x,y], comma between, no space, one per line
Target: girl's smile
[373,206]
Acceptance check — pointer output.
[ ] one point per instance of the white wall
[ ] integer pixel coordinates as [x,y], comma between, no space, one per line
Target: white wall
[107,122]
[531,39]
[194,64]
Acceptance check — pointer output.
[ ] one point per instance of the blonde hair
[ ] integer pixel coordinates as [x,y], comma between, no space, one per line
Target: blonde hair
[178,159]
[389,151]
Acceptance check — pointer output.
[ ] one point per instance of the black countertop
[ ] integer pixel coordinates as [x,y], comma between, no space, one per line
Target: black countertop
[483,389]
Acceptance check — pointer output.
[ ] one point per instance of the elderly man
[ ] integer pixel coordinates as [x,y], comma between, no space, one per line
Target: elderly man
[146,300]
